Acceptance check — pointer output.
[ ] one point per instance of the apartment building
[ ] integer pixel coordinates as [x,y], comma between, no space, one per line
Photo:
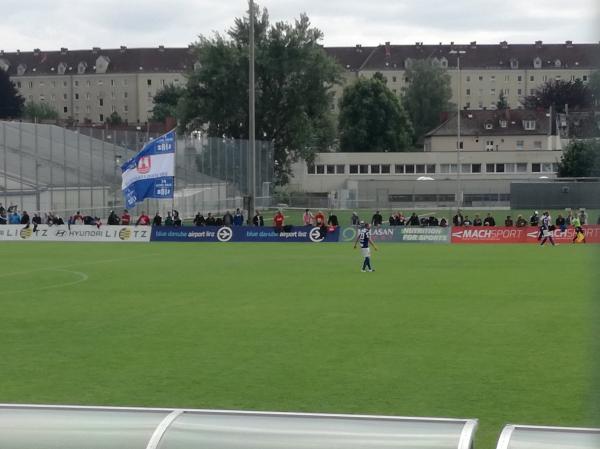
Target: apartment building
[88,85]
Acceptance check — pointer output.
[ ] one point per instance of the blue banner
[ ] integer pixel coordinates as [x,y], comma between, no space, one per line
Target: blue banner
[242,234]
[151,172]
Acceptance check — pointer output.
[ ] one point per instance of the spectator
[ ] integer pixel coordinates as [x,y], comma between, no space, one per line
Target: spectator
[576,223]
[78,218]
[143,220]
[354,220]
[210,220]
[433,221]
[467,221]
[521,222]
[458,219]
[25,220]
[392,219]
[444,222]
[598,221]
[377,219]
[561,223]
[278,221]
[489,220]
[401,221]
[3,217]
[535,219]
[14,218]
[227,219]
[333,219]
[423,221]
[113,218]
[319,219]
[218,221]
[307,218]
[414,220]
[169,219]
[97,222]
[238,218]
[477,221]
[125,218]
[583,217]
[508,222]
[176,218]
[258,220]
[157,220]
[2,209]
[199,220]
[36,220]
[57,220]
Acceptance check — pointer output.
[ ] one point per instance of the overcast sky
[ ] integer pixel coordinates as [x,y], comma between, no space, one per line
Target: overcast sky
[51,24]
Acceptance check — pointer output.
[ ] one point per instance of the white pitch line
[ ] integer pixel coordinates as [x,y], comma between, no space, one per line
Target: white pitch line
[82,278]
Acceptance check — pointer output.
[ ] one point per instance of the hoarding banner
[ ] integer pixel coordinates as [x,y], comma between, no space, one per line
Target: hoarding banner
[75,233]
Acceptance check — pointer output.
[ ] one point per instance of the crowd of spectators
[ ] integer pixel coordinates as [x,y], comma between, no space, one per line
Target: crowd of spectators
[11,215]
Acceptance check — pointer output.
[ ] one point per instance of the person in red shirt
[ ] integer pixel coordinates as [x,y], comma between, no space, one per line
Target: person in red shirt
[144,220]
[319,219]
[125,218]
[278,221]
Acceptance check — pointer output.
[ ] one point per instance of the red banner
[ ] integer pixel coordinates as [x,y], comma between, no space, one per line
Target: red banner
[501,234]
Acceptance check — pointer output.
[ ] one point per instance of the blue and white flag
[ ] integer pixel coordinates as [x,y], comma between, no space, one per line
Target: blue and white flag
[151,172]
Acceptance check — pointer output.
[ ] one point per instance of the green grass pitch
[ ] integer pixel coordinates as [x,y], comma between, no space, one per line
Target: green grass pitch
[499,333]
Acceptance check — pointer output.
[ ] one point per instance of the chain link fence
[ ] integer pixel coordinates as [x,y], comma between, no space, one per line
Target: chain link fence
[47,168]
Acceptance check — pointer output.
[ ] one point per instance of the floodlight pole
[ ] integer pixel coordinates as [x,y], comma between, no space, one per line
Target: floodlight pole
[251,119]
[459,193]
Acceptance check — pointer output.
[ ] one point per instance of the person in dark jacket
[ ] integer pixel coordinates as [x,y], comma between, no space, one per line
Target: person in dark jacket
[477,221]
[414,220]
[238,218]
[561,223]
[113,218]
[258,219]
[25,220]
[535,219]
[227,219]
[210,220]
[377,219]
[199,220]
[508,222]
[333,219]
[458,219]
[176,218]
[157,220]
[489,220]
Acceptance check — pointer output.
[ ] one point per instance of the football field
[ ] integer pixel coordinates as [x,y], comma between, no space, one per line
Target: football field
[502,333]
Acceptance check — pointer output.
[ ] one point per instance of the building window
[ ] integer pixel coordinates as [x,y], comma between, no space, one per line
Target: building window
[112,82]
[489,168]
[310,169]
[88,83]
[353,169]
[529,125]
[76,96]
[532,78]
[475,168]
[101,117]
[480,78]
[521,167]
[331,169]
[64,96]
[101,101]
[320,169]
[506,77]
[76,83]
[399,169]
[364,169]
[64,84]
[509,168]
[124,94]
[468,91]
[30,84]
[493,78]
[420,168]
[537,144]
[519,91]
[465,168]
[340,169]
[499,168]
[65,109]
[149,94]
[100,83]
[385,169]
[468,79]
[87,95]
[489,145]
[409,168]
[125,108]
[584,77]
[394,79]
[493,91]
[430,168]
[536,168]
[149,82]
[519,78]
[375,169]
[520,144]
[87,109]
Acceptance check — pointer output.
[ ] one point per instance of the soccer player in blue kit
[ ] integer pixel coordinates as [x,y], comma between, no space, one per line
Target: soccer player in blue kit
[364,238]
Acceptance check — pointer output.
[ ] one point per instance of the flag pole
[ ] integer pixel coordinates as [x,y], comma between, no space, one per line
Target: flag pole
[251,124]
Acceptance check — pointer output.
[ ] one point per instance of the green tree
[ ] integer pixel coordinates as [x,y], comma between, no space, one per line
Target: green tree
[11,102]
[165,102]
[294,77]
[40,111]
[502,103]
[580,159]
[594,87]
[114,119]
[557,94]
[372,118]
[427,96]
